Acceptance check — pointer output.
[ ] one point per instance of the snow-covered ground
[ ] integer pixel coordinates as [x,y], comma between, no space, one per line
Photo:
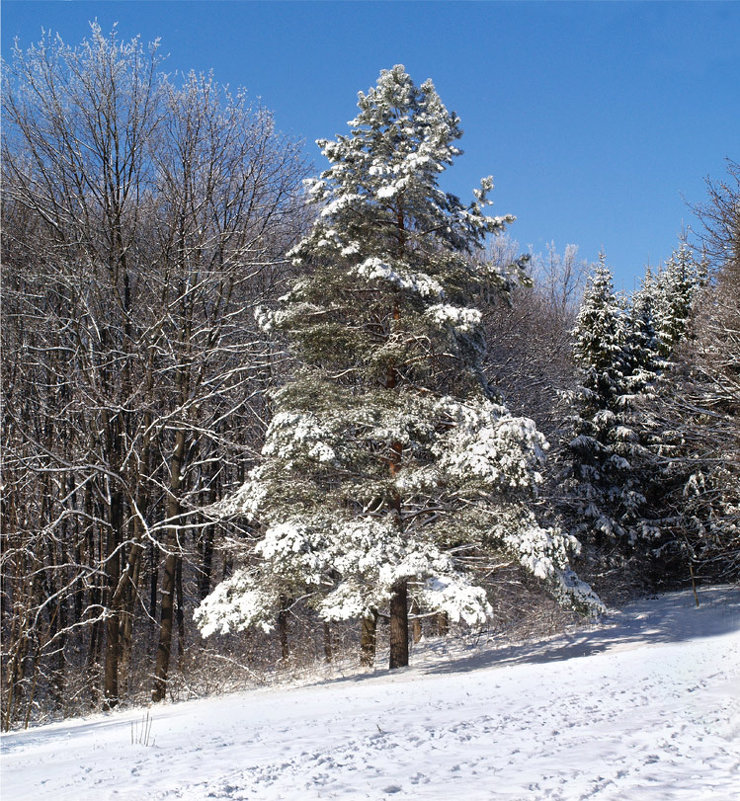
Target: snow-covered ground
[643,706]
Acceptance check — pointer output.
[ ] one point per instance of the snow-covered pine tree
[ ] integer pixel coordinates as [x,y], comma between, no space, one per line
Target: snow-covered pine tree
[700,400]
[598,348]
[388,459]
[657,326]
[691,482]
[601,492]
[622,350]
[642,349]
[640,437]
[676,289]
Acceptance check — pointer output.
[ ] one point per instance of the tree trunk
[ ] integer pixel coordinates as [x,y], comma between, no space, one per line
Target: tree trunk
[206,565]
[399,613]
[399,627]
[179,615]
[416,629]
[112,647]
[112,621]
[128,591]
[368,632]
[283,628]
[171,563]
[206,541]
[127,625]
[328,650]
[159,691]
[153,580]
[443,624]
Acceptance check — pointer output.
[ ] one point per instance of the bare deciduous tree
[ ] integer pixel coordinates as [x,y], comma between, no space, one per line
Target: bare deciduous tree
[142,224]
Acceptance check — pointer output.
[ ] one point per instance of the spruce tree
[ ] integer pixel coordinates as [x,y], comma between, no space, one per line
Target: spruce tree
[389,460]
[600,489]
[623,350]
[677,287]
[695,444]
[641,439]
[642,348]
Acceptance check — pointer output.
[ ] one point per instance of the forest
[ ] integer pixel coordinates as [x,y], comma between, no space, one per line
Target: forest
[253,419]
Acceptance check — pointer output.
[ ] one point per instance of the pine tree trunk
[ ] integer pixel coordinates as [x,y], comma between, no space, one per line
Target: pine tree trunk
[368,632]
[399,627]
[399,613]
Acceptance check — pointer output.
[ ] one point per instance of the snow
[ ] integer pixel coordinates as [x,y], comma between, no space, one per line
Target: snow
[642,707]
[374,269]
[464,320]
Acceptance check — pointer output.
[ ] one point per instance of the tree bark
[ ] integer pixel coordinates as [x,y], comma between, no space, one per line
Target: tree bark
[283,628]
[206,565]
[368,632]
[328,650]
[443,624]
[129,593]
[164,649]
[399,627]
[113,618]
[416,629]
[179,613]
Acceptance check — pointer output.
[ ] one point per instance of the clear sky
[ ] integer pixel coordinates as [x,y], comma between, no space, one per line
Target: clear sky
[598,120]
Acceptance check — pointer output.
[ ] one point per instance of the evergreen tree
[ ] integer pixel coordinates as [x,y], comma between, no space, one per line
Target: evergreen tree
[676,288]
[659,331]
[622,454]
[696,409]
[642,348]
[640,438]
[599,341]
[389,460]
[601,492]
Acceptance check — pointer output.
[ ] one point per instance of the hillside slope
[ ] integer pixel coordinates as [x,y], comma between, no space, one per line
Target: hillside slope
[642,706]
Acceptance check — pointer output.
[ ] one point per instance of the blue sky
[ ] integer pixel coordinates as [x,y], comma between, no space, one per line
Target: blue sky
[598,121]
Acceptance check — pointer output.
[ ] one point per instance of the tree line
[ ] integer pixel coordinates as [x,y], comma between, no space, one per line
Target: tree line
[230,397]
[142,222]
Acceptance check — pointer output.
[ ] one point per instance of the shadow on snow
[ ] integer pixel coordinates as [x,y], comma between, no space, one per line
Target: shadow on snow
[675,619]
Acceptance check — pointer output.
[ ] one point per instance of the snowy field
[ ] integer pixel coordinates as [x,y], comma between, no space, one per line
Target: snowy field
[644,706]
